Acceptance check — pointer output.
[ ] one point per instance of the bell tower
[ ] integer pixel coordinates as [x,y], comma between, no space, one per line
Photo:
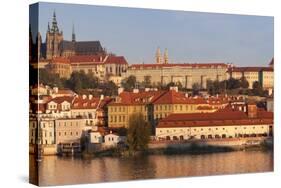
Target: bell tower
[158,56]
[53,39]
[166,58]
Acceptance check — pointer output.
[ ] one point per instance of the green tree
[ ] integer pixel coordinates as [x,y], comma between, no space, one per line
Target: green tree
[48,78]
[257,89]
[232,83]
[138,133]
[244,83]
[147,81]
[195,89]
[109,88]
[129,83]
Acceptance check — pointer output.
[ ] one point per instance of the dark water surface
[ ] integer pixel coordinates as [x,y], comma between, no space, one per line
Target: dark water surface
[55,170]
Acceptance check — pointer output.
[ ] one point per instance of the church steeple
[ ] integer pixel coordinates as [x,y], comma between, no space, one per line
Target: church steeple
[166,58]
[158,56]
[48,30]
[55,28]
[73,34]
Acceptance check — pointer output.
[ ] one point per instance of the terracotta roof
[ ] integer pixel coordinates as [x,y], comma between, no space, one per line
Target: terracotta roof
[191,65]
[215,119]
[140,98]
[87,58]
[173,97]
[60,100]
[250,69]
[115,60]
[62,60]
[80,103]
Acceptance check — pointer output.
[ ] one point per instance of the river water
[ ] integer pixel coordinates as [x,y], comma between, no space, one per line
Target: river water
[55,170]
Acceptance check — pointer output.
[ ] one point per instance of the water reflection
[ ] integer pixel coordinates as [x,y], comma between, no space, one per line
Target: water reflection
[58,171]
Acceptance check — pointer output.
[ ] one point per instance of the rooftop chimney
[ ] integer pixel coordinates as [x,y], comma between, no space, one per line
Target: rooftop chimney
[175,88]
[101,97]
[56,89]
[120,90]
[135,90]
[84,96]
[90,97]
[252,110]
[147,89]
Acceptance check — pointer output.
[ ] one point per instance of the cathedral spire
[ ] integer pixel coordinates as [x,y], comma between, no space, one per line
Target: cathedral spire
[166,59]
[73,34]
[55,28]
[48,30]
[158,56]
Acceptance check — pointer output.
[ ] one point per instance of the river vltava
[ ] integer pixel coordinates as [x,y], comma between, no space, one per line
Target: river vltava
[55,170]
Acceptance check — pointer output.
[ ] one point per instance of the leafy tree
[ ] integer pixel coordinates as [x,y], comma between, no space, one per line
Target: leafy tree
[147,81]
[129,83]
[244,83]
[138,133]
[195,89]
[257,89]
[48,78]
[232,83]
[109,88]
[80,80]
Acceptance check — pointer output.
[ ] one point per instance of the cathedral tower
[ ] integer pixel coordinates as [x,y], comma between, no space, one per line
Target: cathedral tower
[158,56]
[73,34]
[53,39]
[166,59]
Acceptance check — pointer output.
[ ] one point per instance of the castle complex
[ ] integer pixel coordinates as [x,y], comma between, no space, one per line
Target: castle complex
[56,46]
[62,57]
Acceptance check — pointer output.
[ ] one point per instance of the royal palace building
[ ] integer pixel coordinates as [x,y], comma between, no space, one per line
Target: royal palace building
[162,72]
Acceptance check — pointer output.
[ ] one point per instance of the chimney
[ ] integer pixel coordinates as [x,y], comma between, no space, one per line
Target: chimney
[135,90]
[84,96]
[101,97]
[100,58]
[252,110]
[175,88]
[120,90]
[56,89]
[90,97]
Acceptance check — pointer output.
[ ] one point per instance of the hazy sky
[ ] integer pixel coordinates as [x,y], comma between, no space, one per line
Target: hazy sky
[188,36]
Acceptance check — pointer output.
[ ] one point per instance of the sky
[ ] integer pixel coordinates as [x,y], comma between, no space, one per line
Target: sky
[190,37]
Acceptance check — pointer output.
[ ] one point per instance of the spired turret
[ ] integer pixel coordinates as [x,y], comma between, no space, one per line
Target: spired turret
[166,58]
[55,28]
[158,56]
[53,39]
[73,34]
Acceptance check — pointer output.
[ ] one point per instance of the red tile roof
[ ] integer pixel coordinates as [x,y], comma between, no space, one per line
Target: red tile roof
[192,65]
[80,103]
[215,119]
[140,98]
[60,100]
[87,59]
[250,69]
[62,60]
[173,97]
[115,60]
[97,59]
